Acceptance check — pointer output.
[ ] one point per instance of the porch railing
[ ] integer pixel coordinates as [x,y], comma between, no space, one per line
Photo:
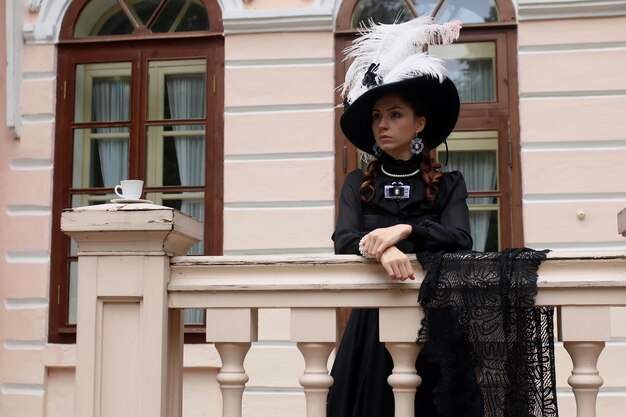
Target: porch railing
[132,289]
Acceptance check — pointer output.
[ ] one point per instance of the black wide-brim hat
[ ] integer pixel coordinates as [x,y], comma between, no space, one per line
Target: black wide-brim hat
[441,104]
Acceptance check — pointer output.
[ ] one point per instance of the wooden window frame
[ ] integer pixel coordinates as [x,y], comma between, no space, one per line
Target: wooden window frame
[138,49]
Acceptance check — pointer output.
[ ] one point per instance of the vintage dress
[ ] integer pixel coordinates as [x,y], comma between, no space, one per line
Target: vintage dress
[362,364]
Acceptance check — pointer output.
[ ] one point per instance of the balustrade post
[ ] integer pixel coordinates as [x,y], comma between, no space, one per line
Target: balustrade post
[583,330]
[315,331]
[128,344]
[232,330]
[398,330]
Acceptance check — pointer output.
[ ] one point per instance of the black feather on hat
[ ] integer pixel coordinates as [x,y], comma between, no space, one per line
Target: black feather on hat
[389,58]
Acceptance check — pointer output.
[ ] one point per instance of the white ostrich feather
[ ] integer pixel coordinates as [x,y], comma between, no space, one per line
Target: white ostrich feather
[398,48]
[416,65]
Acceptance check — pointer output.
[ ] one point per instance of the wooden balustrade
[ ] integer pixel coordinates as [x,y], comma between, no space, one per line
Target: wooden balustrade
[132,288]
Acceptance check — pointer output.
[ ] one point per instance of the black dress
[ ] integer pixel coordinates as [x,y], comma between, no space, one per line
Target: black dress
[362,364]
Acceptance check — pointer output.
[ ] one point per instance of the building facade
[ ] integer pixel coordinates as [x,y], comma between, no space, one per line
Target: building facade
[228,110]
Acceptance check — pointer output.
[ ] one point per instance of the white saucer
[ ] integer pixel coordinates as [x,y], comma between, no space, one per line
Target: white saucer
[129,201]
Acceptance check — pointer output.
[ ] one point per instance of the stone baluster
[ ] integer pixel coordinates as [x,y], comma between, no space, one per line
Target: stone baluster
[583,330]
[398,330]
[315,331]
[232,330]
[129,350]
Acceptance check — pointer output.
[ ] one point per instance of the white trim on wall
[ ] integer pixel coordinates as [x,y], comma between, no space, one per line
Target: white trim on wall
[320,17]
[14,14]
[278,20]
[236,18]
[566,9]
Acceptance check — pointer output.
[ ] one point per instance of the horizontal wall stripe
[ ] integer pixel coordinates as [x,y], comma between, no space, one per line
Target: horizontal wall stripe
[24,344]
[279,20]
[577,246]
[279,156]
[280,251]
[279,108]
[569,47]
[614,342]
[279,63]
[277,204]
[572,145]
[28,210]
[30,164]
[27,257]
[570,197]
[36,390]
[39,76]
[259,390]
[545,9]
[572,94]
[38,118]
[25,303]
[617,342]
[271,344]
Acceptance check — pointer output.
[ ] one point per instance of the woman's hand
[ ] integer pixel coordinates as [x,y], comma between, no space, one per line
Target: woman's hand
[397,264]
[378,241]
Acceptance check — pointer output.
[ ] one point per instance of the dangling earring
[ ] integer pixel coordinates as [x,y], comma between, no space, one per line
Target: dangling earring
[377,150]
[417,146]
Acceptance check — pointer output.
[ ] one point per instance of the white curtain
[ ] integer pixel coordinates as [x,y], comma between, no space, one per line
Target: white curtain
[111,102]
[479,170]
[186,101]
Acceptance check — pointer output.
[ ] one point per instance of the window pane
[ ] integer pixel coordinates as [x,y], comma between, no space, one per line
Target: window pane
[82,200]
[472,67]
[485,226]
[102,92]
[175,155]
[380,12]
[181,16]
[468,11]
[177,89]
[142,10]
[72,294]
[475,154]
[193,316]
[102,17]
[100,157]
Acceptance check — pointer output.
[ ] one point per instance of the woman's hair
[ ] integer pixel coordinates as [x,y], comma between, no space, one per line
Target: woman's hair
[430,169]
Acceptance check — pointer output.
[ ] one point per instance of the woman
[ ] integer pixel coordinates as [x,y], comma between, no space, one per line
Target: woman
[399,106]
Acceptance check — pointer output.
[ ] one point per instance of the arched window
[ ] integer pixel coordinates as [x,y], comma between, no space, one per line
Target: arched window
[485,143]
[139,96]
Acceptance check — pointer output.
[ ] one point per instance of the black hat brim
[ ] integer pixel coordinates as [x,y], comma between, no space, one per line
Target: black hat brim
[441,104]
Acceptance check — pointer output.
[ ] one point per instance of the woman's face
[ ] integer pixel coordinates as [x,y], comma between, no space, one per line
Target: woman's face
[394,125]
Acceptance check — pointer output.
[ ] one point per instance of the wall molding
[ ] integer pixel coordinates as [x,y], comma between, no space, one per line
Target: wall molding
[567,9]
[278,20]
[14,75]
[237,18]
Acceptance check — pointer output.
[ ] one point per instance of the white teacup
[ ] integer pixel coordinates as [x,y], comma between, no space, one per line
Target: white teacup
[129,189]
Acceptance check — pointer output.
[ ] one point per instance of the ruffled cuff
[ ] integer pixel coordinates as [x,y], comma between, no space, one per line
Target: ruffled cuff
[420,232]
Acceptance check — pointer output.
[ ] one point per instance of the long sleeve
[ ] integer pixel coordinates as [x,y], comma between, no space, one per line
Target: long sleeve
[349,227]
[453,230]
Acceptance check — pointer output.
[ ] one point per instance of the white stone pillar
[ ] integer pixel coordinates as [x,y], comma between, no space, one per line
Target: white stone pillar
[232,330]
[315,331]
[129,345]
[583,330]
[398,330]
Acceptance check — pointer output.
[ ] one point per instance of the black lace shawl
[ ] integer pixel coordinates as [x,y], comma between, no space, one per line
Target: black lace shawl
[509,340]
